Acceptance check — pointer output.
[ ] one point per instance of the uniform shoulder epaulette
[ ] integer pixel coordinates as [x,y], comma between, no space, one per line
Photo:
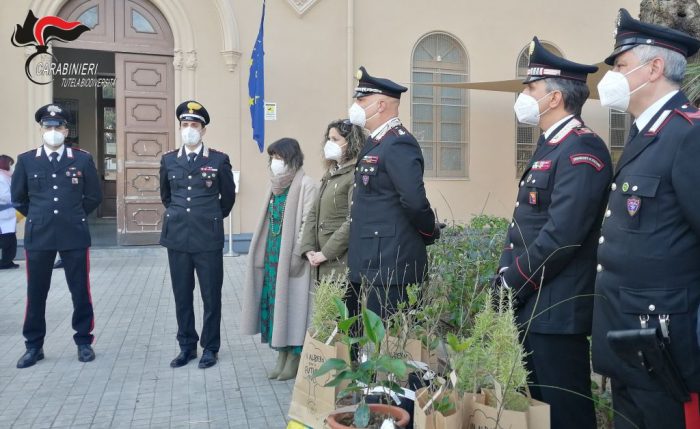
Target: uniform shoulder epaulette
[579,131]
[399,131]
[565,132]
[690,113]
[215,150]
[661,122]
[171,151]
[81,150]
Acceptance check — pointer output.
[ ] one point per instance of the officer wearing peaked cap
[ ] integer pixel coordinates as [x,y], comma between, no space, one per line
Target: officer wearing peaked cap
[391,221]
[198,192]
[56,188]
[648,275]
[549,257]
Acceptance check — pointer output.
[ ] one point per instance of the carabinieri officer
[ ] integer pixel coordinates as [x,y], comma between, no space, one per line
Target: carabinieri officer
[56,188]
[549,257]
[649,254]
[391,221]
[197,189]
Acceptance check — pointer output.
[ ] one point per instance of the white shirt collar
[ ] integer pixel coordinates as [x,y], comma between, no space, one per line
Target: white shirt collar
[60,151]
[551,129]
[196,150]
[646,116]
[381,127]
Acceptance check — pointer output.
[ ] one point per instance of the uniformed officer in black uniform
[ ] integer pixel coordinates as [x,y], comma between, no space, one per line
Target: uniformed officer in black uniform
[56,187]
[649,254]
[390,218]
[549,257]
[197,189]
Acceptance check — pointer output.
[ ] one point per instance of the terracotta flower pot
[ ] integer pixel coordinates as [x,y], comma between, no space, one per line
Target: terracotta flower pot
[400,416]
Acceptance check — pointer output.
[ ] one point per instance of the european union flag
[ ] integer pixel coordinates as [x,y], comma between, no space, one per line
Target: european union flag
[256,87]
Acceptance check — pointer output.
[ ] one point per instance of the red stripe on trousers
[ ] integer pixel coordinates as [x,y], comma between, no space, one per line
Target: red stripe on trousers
[692,412]
[26,270]
[92,322]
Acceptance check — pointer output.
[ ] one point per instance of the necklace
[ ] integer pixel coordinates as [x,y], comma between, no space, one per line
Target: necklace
[276,218]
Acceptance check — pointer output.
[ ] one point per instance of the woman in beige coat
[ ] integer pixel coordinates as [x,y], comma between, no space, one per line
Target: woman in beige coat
[278,279]
[326,231]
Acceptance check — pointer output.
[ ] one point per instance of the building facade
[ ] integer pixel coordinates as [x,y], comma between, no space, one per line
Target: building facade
[161,52]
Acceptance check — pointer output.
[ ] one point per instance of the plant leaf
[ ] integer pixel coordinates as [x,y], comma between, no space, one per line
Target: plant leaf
[342,308]
[362,415]
[345,324]
[329,365]
[374,327]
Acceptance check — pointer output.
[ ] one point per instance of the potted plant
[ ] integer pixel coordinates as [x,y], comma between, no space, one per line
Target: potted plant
[361,377]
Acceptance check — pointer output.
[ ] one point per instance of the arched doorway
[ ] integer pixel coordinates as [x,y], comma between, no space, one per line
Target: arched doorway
[129,126]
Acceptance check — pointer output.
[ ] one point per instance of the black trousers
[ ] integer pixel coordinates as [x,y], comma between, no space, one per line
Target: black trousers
[645,409]
[560,373]
[77,271]
[210,272]
[382,300]
[8,244]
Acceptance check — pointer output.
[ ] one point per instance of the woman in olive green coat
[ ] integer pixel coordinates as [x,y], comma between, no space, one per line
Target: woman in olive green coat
[327,227]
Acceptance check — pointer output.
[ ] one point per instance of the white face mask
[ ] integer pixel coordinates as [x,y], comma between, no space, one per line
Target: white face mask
[277,166]
[53,138]
[358,116]
[614,89]
[190,136]
[333,151]
[527,109]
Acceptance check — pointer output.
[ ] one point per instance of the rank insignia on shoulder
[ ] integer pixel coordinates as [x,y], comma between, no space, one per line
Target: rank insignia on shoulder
[370,159]
[542,165]
[583,130]
[587,158]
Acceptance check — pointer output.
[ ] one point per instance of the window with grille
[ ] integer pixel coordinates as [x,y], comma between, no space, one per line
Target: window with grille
[440,114]
[526,135]
[620,123]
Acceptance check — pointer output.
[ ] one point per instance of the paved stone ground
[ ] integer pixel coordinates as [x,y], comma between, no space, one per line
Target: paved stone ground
[131,384]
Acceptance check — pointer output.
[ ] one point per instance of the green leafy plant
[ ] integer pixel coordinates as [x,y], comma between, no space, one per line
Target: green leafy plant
[462,263]
[325,315]
[492,355]
[362,376]
[691,84]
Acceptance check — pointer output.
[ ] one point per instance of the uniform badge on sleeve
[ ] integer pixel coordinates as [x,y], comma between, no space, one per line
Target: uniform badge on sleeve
[633,205]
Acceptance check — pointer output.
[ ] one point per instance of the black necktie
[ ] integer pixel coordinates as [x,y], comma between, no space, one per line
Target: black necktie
[54,160]
[541,140]
[191,157]
[633,133]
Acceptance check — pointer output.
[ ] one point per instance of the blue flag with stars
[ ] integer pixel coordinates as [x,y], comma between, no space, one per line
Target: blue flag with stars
[256,87]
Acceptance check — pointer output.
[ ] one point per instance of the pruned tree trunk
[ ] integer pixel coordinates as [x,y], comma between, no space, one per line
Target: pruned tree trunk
[682,15]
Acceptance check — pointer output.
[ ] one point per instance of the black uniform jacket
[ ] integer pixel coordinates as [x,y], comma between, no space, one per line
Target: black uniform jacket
[649,258]
[56,201]
[555,229]
[197,199]
[390,216]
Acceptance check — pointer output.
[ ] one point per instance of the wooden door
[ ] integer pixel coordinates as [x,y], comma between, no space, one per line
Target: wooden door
[145,120]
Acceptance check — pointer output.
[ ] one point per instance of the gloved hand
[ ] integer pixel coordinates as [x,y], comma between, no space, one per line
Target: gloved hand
[501,293]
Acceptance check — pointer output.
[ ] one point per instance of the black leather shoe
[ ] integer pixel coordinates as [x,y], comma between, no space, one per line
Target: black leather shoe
[208,359]
[85,353]
[9,266]
[30,357]
[58,264]
[184,357]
